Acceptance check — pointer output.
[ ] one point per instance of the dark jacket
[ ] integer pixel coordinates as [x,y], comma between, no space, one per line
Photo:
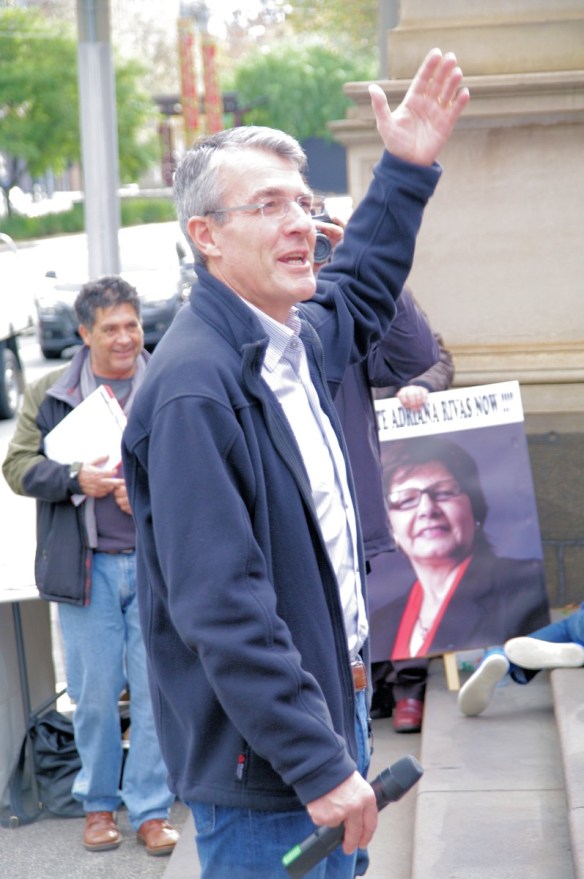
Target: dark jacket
[250,677]
[63,556]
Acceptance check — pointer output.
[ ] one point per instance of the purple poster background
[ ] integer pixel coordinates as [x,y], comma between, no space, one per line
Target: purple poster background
[502,592]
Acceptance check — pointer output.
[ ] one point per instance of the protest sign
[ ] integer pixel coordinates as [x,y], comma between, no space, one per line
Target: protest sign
[468,570]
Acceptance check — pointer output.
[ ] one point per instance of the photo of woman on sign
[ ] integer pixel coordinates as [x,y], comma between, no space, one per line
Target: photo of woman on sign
[459,594]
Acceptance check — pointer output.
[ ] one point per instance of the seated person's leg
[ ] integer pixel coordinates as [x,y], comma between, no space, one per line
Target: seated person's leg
[558,645]
[575,623]
[475,695]
[532,653]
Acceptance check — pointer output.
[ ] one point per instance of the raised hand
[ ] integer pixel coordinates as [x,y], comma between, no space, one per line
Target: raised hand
[419,127]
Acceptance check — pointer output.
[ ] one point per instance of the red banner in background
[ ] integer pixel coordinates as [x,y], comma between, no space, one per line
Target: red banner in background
[167,145]
[213,101]
[189,96]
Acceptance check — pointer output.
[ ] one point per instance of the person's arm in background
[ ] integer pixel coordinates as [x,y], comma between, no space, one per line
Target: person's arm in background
[411,360]
[438,378]
[408,350]
[414,393]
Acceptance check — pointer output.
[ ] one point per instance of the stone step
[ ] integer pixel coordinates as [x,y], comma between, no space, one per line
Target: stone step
[568,695]
[491,803]
[502,795]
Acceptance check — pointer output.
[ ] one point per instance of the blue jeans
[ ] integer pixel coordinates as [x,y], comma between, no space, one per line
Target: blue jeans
[104,652]
[567,630]
[248,844]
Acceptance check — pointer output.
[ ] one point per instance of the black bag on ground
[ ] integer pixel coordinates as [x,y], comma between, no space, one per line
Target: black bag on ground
[57,763]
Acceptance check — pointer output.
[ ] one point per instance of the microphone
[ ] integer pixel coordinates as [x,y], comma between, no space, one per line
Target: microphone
[389,786]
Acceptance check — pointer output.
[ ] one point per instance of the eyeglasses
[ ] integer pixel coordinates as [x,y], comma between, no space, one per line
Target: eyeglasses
[409,498]
[279,206]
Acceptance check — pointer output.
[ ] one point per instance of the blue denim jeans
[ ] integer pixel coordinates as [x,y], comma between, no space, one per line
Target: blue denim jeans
[248,844]
[104,652]
[566,630]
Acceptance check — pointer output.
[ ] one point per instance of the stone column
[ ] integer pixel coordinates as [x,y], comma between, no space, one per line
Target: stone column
[489,36]
[499,265]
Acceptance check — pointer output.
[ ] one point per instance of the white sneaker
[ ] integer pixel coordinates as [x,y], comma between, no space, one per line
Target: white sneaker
[535,654]
[476,693]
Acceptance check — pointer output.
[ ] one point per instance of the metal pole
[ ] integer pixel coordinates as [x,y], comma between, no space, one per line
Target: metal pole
[388,18]
[25,694]
[99,137]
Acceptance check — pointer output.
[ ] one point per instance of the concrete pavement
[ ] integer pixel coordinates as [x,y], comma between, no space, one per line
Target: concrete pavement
[51,848]
[502,797]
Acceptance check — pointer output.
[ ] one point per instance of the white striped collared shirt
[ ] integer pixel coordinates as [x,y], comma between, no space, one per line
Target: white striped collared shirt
[285,369]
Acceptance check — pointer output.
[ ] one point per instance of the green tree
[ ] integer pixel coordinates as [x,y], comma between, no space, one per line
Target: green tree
[300,87]
[39,126]
[353,22]
[138,145]
[39,106]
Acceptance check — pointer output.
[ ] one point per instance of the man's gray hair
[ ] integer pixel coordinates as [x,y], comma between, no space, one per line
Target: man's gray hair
[198,188]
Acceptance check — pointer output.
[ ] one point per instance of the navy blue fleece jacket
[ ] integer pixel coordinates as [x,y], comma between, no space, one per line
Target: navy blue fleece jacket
[249,668]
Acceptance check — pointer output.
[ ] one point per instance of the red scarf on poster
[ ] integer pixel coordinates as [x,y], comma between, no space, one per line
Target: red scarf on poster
[401,647]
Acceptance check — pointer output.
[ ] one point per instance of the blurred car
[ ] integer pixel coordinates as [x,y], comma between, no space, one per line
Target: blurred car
[16,320]
[161,291]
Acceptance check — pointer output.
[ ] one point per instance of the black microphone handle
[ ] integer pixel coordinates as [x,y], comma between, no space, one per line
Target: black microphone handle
[395,781]
[389,786]
[313,849]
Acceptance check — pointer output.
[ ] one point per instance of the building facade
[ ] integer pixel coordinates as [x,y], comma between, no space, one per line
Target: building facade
[499,265]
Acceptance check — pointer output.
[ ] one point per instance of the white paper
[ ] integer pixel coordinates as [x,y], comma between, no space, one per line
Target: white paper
[92,430]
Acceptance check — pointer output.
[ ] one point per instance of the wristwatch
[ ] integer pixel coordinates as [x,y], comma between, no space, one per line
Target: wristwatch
[73,480]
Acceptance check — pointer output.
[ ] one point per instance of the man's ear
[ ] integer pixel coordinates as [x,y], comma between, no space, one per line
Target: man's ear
[202,232]
[84,333]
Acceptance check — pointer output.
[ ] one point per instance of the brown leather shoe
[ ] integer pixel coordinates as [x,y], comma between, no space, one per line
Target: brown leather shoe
[408,715]
[158,836]
[101,832]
